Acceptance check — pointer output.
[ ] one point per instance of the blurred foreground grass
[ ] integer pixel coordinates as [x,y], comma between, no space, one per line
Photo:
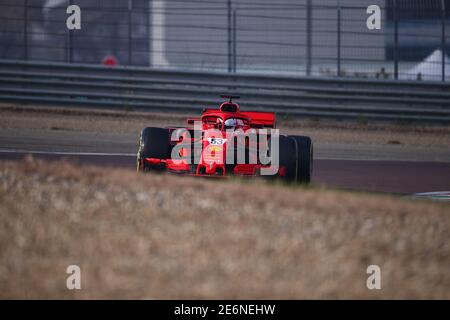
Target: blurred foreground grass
[164,236]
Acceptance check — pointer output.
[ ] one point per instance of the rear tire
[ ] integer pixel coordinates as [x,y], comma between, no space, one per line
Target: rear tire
[153,143]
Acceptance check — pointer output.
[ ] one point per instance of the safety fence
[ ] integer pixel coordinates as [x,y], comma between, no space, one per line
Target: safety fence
[321,38]
[142,88]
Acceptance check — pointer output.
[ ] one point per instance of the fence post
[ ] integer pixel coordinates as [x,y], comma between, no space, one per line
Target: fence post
[443,39]
[130,26]
[25,30]
[339,42]
[70,45]
[234,39]
[395,40]
[229,38]
[308,36]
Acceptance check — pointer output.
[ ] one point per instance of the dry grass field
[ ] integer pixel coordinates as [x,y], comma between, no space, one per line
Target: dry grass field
[163,236]
[98,121]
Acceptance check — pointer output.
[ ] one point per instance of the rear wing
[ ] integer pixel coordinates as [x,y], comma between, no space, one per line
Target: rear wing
[260,119]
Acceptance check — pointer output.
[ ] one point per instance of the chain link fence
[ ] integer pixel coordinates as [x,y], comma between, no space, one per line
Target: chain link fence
[321,38]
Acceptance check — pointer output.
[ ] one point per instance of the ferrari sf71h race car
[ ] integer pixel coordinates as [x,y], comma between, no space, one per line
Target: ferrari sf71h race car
[225,142]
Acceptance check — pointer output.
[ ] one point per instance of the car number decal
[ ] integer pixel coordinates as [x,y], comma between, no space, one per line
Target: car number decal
[217,141]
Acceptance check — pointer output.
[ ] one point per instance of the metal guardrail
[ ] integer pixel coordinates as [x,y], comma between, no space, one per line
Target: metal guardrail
[165,90]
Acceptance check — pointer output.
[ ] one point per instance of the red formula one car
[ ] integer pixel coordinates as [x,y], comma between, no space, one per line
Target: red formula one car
[227,141]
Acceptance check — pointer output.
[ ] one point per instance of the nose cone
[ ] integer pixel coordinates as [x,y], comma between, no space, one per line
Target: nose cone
[213,153]
[213,156]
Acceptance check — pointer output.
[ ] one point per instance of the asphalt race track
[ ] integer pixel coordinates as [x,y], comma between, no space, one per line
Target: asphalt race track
[400,177]
[373,168]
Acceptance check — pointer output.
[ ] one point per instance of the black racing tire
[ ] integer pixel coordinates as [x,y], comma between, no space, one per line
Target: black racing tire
[286,158]
[153,143]
[304,158]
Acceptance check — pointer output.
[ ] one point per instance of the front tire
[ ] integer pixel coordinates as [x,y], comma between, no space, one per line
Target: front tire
[296,156]
[304,155]
[287,158]
[153,143]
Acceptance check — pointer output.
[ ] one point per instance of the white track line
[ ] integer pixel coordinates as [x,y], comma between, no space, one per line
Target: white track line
[112,154]
[436,193]
[106,154]
[436,196]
